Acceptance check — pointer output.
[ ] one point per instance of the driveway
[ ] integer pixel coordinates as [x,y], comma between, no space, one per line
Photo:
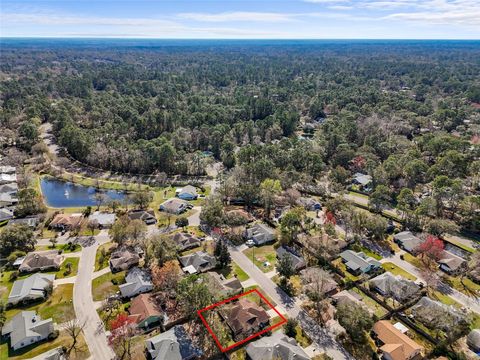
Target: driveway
[285,304]
[84,305]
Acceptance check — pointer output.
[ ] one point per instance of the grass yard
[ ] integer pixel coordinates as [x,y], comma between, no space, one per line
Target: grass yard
[106,285]
[64,272]
[6,284]
[101,261]
[412,260]
[467,286]
[234,270]
[452,240]
[370,253]
[87,232]
[58,306]
[340,265]
[395,270]
[263,254]
[254,297]
[295,281]
[65,248]
[377,309]
[302,339]
[447,300]
[39,348]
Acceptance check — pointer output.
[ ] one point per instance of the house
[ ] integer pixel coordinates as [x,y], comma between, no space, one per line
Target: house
[359,263]
[174,344]
[346,296]
[395,286]
[6,214]
[147,216]
[362,180]
[174,206]
[104,220]
[145,312]
[7,169]
[7,178]
[428,311]
[8,200]
[407,241]
[239,216]
[309,204]
[31,221]
[66,221]
[317,280]
[27,328]
[297,260]
[452,264]
[31,288]
[244,318]
[54,354]
[188,192]
[275,347]
[137,281]
[9,188]
[224,287]
[260,234]
[185,241]
[198,262]
[41,261]
[473,341]
[123,259]
[394,344]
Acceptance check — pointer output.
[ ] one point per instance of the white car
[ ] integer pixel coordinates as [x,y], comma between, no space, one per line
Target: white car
[250,243]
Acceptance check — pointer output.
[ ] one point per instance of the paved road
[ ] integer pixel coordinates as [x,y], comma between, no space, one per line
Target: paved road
[84,305]
[323,339]
[194,219]
[469,302]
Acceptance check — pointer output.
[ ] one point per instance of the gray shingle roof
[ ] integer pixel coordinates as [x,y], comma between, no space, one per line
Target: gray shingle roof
[200,260]
[41,260]
[297,260]
[409,241]
[33,286]
[135,279]
[277,346]
[358,261]
[26,324]
[173,344]
[395,286]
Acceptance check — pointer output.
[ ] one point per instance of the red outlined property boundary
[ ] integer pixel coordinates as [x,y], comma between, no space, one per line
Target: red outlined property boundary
[225,349]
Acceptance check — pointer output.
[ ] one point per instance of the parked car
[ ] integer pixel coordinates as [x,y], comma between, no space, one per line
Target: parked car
[250,243]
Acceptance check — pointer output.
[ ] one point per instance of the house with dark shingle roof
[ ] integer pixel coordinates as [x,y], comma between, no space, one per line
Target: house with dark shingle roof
[359,263]
[174,206]
[297,260]
[123,259]
[185,241]
[260,234]
[224,287]
[147,216]
[197,262]
[41,261]
[174,344]
[276,347]
[137,281]
[66,221]
[452,264]
[27,328]
[31,288]
[407,241]
[244,318]
[394,286]
[315,279]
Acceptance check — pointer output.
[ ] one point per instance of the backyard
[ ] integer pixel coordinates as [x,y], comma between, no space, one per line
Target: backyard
[264,257]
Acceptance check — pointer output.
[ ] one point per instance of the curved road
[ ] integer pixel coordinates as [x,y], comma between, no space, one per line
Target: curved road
[84,305]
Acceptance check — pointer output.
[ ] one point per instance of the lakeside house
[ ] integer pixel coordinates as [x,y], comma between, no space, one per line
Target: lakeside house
[66,222]
[174,206]
[147,216]
[103,219]
[188,192]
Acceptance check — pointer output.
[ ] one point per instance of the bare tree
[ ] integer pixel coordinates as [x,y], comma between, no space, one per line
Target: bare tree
[74,328]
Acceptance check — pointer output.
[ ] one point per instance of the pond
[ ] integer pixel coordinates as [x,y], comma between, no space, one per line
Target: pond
[62,194]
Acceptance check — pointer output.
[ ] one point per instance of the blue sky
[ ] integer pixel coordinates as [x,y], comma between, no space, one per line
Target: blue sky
[310,19]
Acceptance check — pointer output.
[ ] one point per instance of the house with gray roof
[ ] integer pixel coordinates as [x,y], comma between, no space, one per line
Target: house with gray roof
[8,200]
[430,312]
[185,241]
[31,221]
[174,206]
[260,234]
[297,260]
[123,259]
[137,281]
[7,178]
[41,261]
[147,216]
[9,188]
[407,241]
[452,264]
[188,192]
[395,286]
[27,328]
[31,288]
[222,286]
[6,214]
[276,347]
[359,263]
[198,262]
[174,344]
[363,180]
[6,169]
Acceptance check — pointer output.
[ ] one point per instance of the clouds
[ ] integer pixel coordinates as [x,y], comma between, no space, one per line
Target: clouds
[239,16]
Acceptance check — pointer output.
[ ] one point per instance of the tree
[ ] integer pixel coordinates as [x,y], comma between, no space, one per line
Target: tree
[285,267]
[290,328]
[142,198]
[87,211]
[380,198]
[122,330]
[355,319]
[269,188]
[212,212]
[406,202]
[3,316]
[74,328]
[119,230]
[181,222]
[162,248]
[114,205]
[291,224]
[376,226]
[53,241]
[193,295]
[136,229]
[99,198]
[431,250]
[29,203]
[93,225]
[16,237]
[438,227]
[222,254]
[166,277]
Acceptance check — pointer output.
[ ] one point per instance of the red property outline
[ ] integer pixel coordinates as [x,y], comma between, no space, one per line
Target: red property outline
[222,349]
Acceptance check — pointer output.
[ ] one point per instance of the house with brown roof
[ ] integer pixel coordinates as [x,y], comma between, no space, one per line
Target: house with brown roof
[145,312]
[66,221]
[244,318]
[394,344]
[185,241]
[123,259]
[41,261]
[452,264]
[316,280]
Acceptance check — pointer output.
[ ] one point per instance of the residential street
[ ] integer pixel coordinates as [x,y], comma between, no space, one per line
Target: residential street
[84,305]
[285,304]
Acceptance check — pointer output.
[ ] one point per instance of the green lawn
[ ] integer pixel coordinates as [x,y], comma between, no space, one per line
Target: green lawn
[395,270]
[370,253]
[262,254]
[36,349]
[64,272]
[87,232]
[257,299]
[459,244]
[232,270]
[412,260]
[466,285]
[102,261]
[58,306]
[102,286]
[295,281]
[65,248]
[340,265]
[378,310]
